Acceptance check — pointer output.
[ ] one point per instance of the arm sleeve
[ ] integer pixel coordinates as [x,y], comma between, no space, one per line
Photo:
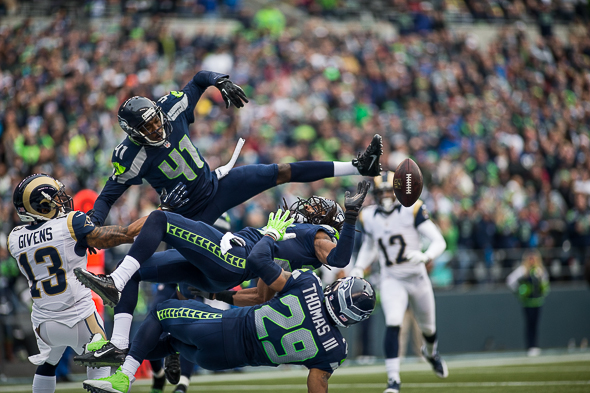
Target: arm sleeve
[367,254]
[437,242]
[341,254]
[108,196]
[79,225]
[512,279]
[196,87]
[261,261]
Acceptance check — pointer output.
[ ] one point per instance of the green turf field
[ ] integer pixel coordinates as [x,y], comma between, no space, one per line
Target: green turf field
[559,374]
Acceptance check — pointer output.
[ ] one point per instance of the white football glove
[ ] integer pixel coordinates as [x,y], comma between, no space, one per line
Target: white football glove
[415,257]
[357,272]
[229,240]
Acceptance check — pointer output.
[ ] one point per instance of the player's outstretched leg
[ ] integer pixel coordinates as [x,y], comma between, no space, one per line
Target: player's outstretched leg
[368,163]
[430,352]
[101,353]
[109,287]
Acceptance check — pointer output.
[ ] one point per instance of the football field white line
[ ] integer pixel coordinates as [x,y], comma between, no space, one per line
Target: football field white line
[467,364]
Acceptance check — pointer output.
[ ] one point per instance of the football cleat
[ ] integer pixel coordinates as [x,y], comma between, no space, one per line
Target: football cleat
[438,365]
[101,354]
[172,368]
[392,387]
[119,382]
[180,389]
[102,285]
[368,163]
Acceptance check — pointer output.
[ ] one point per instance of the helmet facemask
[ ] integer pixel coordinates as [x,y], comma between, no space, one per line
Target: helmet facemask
[349,300]
[148,127]
[383,192]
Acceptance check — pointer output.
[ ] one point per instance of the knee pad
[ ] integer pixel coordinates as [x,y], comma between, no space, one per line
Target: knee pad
[392,342]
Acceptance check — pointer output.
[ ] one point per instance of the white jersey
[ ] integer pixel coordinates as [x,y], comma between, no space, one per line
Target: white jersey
[392,235]
[47,254]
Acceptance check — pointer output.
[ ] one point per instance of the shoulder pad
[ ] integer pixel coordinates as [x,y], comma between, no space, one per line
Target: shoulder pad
[334,235]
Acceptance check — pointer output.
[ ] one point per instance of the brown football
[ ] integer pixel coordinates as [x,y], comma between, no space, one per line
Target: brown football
[407,182]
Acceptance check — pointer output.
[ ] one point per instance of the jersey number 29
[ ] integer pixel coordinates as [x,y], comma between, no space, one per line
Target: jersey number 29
[298,345]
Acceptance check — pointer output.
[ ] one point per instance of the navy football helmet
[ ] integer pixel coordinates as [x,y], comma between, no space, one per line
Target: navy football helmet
[317,210]
[384,183]
[136,117]
[40,197]
[349,300]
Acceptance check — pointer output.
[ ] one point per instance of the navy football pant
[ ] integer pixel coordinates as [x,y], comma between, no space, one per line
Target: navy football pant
[198,338]
[245,182]
[196,259]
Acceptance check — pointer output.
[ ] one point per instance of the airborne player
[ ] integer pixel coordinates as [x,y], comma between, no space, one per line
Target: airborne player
[392,232]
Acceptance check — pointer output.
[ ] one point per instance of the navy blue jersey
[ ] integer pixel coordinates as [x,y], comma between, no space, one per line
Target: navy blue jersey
[297,252]
[164,166]
[294,327]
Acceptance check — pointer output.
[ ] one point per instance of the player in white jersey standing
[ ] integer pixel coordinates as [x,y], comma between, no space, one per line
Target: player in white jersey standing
[47,249]
[392,232]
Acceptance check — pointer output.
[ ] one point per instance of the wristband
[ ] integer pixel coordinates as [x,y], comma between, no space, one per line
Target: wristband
[350,217]
[226,297]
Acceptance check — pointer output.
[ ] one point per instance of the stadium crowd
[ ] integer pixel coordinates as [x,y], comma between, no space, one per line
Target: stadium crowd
[501,133]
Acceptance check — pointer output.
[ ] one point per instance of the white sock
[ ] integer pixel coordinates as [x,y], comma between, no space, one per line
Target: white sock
[392,367]
[159,374]
[130,367]
[431,349]
[96,373]
[121,329]
[43,384]
[124,271]
[184,381]
[345,169]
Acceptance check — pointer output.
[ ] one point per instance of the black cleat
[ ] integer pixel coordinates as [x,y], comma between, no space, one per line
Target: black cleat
[368,163]
[392,387]
[102,285]
[438,365]
[172,368]
[180,389]
[158,384]
[101,354]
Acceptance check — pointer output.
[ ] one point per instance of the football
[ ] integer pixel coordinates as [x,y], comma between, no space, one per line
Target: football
[407,182]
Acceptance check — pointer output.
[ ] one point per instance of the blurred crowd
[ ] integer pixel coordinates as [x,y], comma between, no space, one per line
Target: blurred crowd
[501,133]
[406,12]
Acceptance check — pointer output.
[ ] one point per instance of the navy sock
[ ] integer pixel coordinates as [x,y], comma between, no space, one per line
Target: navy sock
[430,339]
[308,171]
[392,342]
[186,367]
[146,339]
[46,369]
[157,365]
[149,238]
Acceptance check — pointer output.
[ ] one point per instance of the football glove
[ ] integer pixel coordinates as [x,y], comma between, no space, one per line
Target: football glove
[357,272]
[355,202]
[415,257]
[277,225]
[174,200]
[229,240]
[203,294]
[231,93]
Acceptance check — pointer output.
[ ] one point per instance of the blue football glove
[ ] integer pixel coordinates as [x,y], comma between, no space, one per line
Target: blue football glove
[174,200]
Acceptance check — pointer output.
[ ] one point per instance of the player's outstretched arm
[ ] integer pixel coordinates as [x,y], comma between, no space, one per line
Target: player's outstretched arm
[114,235]
[317,381]
[339,256]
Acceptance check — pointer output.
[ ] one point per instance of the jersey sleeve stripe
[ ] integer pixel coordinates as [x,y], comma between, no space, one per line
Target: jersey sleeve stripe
[417,207]
[71,226]
[178,108]
[135,167]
